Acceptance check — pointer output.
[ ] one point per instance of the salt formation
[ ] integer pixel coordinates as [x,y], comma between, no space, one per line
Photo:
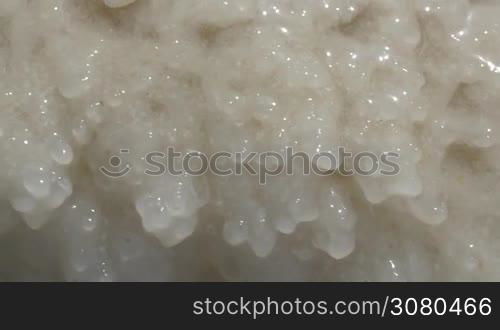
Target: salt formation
[87,84]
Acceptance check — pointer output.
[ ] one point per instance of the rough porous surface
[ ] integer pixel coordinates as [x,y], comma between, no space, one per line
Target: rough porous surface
[82,80]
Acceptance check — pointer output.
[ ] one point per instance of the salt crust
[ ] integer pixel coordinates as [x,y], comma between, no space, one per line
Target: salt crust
[82,80]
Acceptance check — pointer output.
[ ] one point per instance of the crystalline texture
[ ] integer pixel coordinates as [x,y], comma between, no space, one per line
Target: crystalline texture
[105,84]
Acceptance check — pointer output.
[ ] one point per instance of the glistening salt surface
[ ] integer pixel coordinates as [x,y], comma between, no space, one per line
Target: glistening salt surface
[82,80]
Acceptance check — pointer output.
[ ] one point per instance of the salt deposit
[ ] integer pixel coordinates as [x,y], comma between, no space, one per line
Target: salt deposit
[100,84]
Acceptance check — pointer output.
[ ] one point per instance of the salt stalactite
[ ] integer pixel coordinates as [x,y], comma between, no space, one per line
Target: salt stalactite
[60,151]
[335,228]
[169,208]
[83,243]
[297,204]
[42,191]
[431,206]
[248,222]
